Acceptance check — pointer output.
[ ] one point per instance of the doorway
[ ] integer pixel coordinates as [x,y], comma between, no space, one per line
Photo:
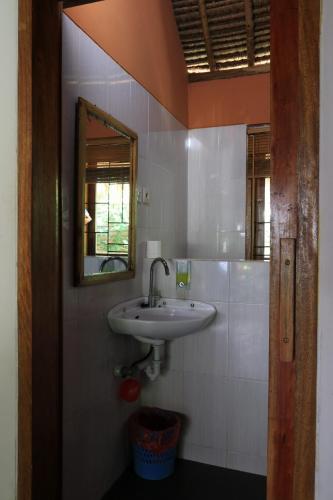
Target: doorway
[295,150]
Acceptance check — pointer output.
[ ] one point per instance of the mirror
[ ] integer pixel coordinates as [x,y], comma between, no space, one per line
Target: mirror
[106,187]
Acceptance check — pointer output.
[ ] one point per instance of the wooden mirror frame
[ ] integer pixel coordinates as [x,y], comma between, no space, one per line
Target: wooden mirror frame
[85,108]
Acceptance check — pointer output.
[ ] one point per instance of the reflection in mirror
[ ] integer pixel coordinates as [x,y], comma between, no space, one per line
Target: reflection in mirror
[258,209]
[106,154]
[107,200]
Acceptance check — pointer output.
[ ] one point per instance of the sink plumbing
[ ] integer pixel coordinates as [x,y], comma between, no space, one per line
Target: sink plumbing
[153,370]
[150,364]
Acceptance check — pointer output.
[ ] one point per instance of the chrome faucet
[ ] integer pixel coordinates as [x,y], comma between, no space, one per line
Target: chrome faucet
[151,282]
[112,259]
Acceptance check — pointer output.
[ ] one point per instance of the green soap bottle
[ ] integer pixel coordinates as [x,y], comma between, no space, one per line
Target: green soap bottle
[183,273]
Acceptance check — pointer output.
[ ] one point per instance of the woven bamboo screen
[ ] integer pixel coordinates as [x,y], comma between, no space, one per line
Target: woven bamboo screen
[224,38]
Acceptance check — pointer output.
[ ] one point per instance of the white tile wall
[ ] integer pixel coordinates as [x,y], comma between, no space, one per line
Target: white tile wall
[206,352]
[167,393]
[93,417]
[204,406]
[246,463]
[209,279]
[248,347]
[218,377]
[217,192]
[249,283]
[247,417]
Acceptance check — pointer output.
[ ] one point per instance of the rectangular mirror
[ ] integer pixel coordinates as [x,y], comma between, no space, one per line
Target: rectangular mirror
[106,197]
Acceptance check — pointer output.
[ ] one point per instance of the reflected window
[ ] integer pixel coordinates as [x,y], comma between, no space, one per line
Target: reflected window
[258,209]
[107,198]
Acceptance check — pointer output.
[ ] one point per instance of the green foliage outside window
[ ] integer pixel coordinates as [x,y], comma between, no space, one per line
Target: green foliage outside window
[112,218]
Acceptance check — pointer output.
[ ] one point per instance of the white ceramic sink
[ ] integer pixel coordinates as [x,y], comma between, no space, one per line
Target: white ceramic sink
[170,319]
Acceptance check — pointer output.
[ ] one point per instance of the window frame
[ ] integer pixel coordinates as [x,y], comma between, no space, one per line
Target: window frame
[250,221]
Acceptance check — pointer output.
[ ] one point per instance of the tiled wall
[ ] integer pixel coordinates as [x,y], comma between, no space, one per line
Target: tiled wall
[218,376]
[93,417]
[217,192]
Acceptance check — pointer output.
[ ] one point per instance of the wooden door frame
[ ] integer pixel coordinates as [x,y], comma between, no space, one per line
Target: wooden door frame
[39,252]
[295,39]
[292,394]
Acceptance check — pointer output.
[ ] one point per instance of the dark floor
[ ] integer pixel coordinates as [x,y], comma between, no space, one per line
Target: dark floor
[191,481]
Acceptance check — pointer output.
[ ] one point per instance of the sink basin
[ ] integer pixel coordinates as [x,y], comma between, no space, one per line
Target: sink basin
[170,319]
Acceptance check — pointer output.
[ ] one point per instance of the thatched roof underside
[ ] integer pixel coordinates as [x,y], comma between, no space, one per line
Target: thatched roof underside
[224,38]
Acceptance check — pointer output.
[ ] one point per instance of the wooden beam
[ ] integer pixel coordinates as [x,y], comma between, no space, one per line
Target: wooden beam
[205,28]
[232,73]
[249,31]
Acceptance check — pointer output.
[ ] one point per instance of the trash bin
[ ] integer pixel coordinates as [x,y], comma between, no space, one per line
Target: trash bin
[154,436]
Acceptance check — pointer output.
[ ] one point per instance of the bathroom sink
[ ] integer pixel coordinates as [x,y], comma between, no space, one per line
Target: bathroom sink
[168,320]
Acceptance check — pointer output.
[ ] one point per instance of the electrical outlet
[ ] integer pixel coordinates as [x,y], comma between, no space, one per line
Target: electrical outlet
[145,196]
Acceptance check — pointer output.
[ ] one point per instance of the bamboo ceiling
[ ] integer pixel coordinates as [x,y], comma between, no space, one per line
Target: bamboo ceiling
[224,38]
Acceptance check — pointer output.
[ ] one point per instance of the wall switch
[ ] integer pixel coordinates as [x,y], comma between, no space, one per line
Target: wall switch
[139,195]
[145,196]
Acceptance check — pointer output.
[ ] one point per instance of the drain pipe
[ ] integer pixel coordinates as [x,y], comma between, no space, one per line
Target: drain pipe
[153,370]
[150,364]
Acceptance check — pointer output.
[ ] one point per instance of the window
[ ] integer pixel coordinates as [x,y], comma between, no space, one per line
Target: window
[258,209]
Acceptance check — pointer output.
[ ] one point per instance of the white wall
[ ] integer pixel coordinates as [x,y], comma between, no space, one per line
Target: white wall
[324,476]
[94,419]
[217,192]
[218,377]
[224,357]
[8,254]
